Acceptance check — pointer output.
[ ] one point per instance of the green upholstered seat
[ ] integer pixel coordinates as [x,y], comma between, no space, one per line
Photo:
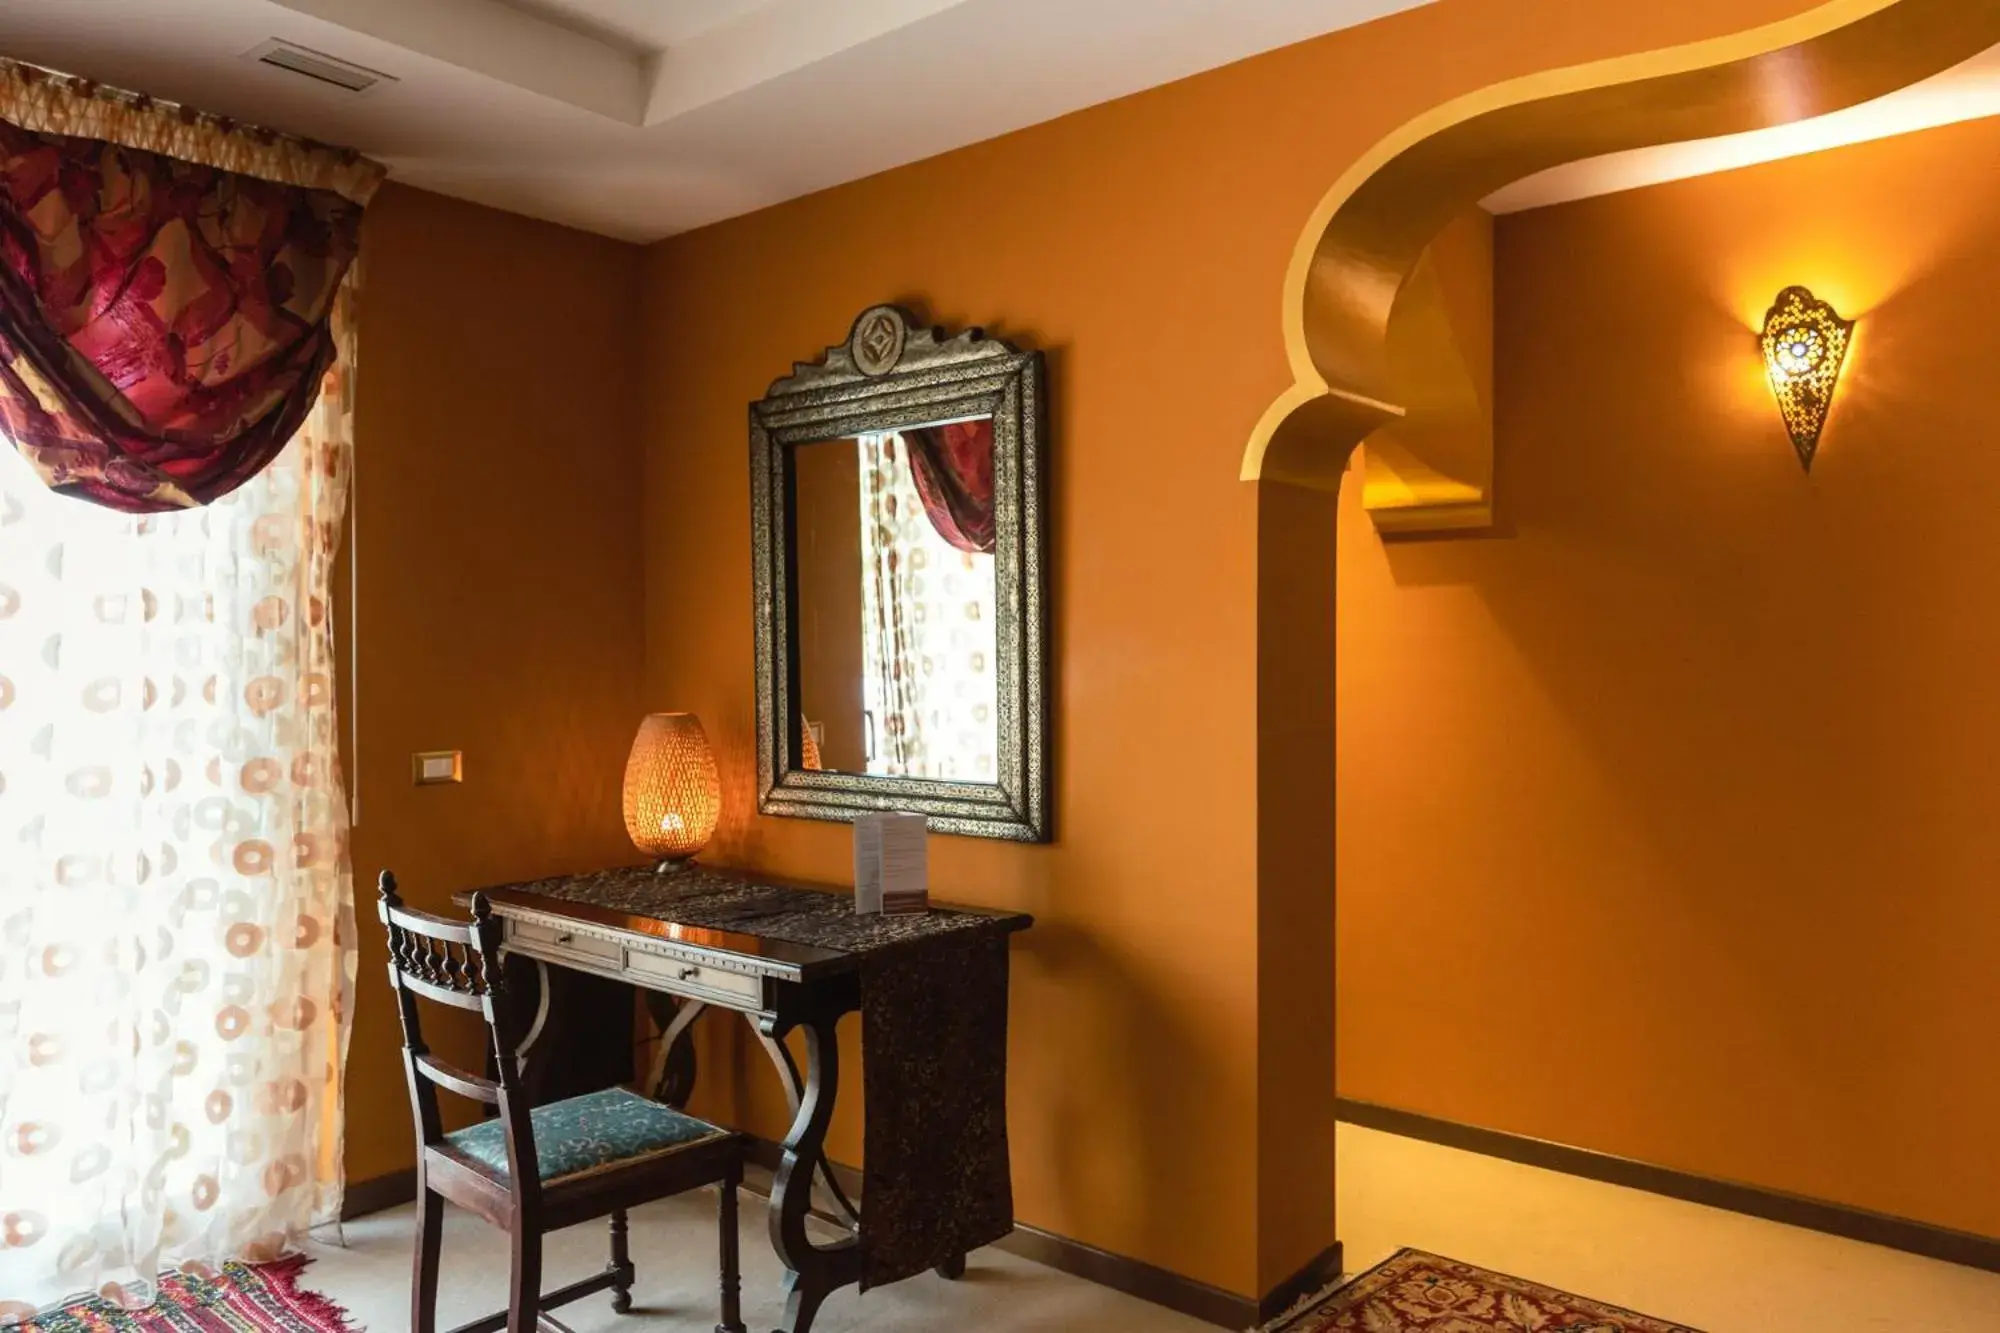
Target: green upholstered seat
[588,1134]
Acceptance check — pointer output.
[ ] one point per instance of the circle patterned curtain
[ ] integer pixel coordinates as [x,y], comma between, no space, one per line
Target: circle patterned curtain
[176,908]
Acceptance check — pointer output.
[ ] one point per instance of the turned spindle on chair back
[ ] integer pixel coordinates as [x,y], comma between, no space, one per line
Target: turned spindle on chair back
[456,963]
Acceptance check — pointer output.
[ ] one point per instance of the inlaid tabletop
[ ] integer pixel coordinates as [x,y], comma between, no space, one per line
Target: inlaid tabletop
[814,929]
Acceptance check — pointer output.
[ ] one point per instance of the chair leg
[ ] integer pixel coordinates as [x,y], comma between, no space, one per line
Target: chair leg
[621,1264]
[524,1303]
[430,1241]
[732,1277]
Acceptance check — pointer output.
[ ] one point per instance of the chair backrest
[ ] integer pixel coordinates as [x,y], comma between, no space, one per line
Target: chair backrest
[457,963]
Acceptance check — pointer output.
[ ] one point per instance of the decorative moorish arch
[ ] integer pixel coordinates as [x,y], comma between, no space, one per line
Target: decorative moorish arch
[1365,239]
[1353,375]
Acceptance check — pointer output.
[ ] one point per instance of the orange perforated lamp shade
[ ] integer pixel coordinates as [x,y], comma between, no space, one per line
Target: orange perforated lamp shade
[673,794]
[1805,345]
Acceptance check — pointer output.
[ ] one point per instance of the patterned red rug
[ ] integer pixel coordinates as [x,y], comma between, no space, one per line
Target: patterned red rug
[1414,1292]
[237,1298]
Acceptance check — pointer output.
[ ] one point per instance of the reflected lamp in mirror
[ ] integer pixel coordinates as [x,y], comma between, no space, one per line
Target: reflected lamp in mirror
[1805,345]
[673,794]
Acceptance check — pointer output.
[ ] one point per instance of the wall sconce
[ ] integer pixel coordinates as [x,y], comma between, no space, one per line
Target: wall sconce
[1805,342]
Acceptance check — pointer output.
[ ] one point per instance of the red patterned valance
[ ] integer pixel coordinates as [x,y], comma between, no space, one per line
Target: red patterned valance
[953,466]
[163,324]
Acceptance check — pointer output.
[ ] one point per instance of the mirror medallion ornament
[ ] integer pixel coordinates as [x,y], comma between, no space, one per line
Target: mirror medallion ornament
[878,340]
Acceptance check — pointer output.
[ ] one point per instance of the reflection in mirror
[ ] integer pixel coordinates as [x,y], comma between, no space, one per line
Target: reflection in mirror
[896,603]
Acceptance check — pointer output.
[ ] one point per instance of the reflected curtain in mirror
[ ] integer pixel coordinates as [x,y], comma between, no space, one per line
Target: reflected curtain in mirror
[928,606]
[953,468]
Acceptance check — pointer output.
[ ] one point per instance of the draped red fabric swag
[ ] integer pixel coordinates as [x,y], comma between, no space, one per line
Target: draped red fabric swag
[953,467]
[163,325]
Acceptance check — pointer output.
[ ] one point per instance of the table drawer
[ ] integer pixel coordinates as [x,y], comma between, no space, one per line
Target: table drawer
[555,941]
[694,976]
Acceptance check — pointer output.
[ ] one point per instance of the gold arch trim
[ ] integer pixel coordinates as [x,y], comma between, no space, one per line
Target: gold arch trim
[1368,233]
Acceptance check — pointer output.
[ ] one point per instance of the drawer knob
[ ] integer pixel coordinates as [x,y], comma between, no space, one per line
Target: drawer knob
[690,973]
[565,938]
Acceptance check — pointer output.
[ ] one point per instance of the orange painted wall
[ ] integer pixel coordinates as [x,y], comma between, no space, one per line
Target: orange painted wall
[1143,243]
[1664,813]
[827,548]
[496,531]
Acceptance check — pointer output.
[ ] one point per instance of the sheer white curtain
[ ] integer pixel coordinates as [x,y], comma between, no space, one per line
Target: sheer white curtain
[927,637]
[176,907]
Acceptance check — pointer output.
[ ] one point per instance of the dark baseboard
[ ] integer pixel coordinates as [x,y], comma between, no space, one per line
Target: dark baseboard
[1835,1219]
[1322,1272]
[1134,1277]
[1226,1309]
[378,1194]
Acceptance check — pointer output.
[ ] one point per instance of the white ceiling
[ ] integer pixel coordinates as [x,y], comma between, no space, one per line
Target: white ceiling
[642,118]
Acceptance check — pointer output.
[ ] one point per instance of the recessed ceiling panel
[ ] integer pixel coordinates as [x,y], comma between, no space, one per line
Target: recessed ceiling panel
[643,26]
[641,118]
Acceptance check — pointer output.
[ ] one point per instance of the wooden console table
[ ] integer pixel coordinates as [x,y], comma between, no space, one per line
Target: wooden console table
[787,957]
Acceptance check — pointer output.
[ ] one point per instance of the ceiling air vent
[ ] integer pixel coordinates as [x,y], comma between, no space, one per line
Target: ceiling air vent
[316,65]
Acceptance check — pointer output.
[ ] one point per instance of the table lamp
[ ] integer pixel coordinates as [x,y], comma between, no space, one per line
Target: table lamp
[673,794]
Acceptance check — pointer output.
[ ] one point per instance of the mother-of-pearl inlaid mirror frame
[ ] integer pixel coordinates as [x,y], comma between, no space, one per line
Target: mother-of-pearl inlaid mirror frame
[894,374]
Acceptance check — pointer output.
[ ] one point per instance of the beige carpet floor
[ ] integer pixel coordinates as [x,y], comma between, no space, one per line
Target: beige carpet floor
[673,1246]
[1713,1270]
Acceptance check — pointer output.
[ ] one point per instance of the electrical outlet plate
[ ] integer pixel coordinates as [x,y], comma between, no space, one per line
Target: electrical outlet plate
[429,767]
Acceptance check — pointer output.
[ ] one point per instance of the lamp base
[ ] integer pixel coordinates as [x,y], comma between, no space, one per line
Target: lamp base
[673,865]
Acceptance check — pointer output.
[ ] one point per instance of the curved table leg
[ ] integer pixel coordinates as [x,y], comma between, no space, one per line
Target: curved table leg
[671,1079]
[788,1072]
[813,1271]
[531,1070]
[534,1033]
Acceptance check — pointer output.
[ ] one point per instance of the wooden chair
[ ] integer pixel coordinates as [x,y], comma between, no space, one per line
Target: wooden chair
[527,1171]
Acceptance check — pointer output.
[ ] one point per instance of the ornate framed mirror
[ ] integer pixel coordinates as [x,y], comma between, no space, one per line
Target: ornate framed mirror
[899,533]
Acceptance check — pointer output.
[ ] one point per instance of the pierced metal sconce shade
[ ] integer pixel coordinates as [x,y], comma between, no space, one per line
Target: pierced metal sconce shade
[1805,343]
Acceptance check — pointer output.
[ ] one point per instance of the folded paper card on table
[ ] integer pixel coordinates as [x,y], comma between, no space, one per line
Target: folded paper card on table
[891,865]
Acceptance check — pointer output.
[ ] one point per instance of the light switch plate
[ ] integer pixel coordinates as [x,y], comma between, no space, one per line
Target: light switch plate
[428,767]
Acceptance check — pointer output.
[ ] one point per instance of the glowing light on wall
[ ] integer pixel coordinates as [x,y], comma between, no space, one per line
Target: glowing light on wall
[1805,344]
